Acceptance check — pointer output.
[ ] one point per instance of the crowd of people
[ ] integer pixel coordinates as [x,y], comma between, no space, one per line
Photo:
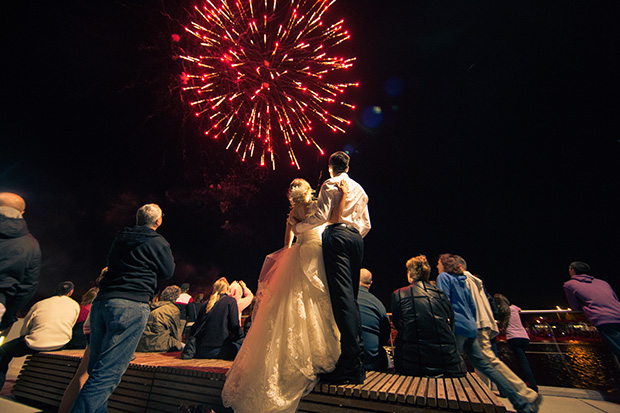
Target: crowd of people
[313,317]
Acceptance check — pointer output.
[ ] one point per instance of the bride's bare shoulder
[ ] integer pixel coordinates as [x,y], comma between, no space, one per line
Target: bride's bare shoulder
[302,210]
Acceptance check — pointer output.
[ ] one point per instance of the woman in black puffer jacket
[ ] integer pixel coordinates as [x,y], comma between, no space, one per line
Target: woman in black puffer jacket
[424,319]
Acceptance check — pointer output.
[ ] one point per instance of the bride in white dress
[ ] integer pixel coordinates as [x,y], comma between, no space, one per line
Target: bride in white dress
[293,336]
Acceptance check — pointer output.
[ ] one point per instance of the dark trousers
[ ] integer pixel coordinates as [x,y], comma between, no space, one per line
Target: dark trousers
[519,345]
[611,335]
[343,250]
[14,348]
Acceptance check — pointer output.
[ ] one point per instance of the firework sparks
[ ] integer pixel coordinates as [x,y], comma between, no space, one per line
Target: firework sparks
[259,73]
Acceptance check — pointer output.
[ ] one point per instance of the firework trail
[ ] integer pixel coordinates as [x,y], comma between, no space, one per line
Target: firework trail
[259,72]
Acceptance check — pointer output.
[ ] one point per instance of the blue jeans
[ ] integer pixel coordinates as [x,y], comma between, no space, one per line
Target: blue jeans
[116,326]
[611,335]
[472,349]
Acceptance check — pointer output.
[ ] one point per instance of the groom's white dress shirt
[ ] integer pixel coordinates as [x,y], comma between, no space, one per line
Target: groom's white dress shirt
[355,209]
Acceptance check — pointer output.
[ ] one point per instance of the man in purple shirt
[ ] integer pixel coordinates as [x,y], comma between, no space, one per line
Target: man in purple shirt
[597,300]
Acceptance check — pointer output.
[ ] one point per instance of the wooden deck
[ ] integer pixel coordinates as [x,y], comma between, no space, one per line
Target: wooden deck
[162,382]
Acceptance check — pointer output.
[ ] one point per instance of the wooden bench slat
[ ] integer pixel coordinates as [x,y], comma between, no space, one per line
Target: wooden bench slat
[207,381]
[180,390]
[57,373]
[374,391]
[140,392]
[498,406]
[401,393]
[46,379]
[122,407]
[176,402]
[385,390]
[37,397]
[182,396]
[442,400]
[460,394]
[369,384]
[37,390]
[411,391]
[453,400]
[128,399]
[43,387]
[431,392]
[487,404]
[48,358]
[420,395]
[474,401]
[393,395]
[356,390]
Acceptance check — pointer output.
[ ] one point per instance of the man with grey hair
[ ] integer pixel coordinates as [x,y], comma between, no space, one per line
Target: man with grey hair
[20,260]
[138,258]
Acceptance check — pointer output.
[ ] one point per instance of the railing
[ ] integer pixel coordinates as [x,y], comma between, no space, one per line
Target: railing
[558,326]
[565,351]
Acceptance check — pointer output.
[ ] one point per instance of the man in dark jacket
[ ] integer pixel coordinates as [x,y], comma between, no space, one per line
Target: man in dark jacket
[424,318]
[163,331]
[138,258]
[20,260]
[376,327]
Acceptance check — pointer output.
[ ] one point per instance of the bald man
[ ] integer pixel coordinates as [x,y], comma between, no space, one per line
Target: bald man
[376,327]
[20,260]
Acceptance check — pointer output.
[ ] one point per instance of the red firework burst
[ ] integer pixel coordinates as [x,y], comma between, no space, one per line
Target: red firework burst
[259,72]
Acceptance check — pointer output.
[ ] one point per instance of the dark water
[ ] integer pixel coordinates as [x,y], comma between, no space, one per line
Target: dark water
[569,364]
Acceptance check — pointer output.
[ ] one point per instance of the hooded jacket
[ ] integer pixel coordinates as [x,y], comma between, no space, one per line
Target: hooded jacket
[484,312]
[163,329]
[594,297]
[455,288]
[20,264]
[138,258]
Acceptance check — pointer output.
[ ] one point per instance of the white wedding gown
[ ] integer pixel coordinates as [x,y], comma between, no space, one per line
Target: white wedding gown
[293,336]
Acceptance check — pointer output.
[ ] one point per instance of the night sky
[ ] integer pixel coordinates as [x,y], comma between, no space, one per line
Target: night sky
[503,145]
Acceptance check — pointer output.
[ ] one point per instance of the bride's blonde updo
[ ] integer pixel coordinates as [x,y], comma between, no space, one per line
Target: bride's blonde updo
[300,192]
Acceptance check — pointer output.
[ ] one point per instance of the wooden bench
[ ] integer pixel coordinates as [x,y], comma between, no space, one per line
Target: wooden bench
[143,388]
[385,392]
[161,383]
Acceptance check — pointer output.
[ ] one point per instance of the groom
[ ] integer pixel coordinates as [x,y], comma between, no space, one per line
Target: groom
[343,249]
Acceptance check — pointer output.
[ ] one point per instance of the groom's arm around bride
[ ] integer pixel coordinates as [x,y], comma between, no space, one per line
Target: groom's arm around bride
[343,250]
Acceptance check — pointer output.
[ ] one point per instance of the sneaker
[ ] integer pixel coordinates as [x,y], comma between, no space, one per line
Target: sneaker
[537,402]
[532,407]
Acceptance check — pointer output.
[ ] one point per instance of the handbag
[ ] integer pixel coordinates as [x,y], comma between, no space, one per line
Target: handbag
[189,351]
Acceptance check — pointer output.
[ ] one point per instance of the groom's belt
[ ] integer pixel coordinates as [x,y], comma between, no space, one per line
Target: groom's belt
[342,224]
